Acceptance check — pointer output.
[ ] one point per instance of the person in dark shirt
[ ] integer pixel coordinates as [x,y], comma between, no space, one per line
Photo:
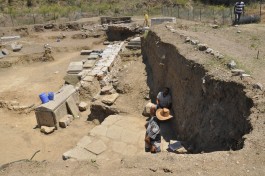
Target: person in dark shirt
[238,10]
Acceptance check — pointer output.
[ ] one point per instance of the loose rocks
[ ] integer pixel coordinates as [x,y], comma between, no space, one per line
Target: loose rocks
[47,130]
[202,47]
[82,106]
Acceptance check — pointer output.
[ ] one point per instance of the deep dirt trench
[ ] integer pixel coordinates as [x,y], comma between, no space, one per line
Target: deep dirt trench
[209,114]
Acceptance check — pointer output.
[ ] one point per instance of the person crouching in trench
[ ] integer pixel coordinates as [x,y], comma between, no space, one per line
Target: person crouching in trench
[152,135]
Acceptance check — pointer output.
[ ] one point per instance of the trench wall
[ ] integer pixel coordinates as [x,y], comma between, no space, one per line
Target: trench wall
[209,117]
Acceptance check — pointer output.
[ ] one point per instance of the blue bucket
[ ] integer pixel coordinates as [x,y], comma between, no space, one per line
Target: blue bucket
[51,95]
[44,98]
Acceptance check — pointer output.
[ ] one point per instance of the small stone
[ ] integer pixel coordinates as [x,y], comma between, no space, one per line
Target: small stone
[209,50]
[202,47]
[82,106]
[187,39]
[47,130]
[110,99]
[215,26]
[106,43]
[238,31]
[56,72]
[64,122]
[258,86]
[194,42]
[106,90]
[96,122]
[232,64]
[237,162]
[173,30]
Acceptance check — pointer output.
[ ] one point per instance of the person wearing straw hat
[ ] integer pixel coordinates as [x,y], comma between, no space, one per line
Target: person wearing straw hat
[152,135]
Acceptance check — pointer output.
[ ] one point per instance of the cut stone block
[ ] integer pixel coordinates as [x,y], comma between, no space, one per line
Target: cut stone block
[106,90]
[82,106]
[84,141]
[16,47]
[96,147]
[86,52]
[89,64]
[71,104]
[47,130]
[110,99]
[75,67]
[92,57]
[64,122]
[72,79]
[79,153]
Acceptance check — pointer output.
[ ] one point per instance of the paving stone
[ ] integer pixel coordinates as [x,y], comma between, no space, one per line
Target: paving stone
[47,130]
[99,130]
[130,150]
[106,90]
[82,106]
[64,122]
[92,57]
[89,64]
[130,136]
[79,153]
[118,146]
[114,132]
[110,120]
[84,141]
[89,78]
[96,147]
[110,99]
[71,104]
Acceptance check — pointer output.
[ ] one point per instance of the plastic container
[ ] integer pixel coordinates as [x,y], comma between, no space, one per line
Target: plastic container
[44,98]
[51,96]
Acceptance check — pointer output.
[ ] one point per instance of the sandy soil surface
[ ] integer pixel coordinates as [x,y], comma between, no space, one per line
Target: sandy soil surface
[19,139]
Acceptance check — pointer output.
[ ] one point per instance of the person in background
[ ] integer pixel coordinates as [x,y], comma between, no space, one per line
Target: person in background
[239,8]
[146,18]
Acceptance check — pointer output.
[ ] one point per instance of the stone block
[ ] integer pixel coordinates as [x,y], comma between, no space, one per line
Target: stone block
[92,57]
[75,67]
[72,79]
[86,52]
[79,153]
[89,64]
[96,147]
[82,106]
[106,90]
[110,99]
[64,122]
[71,105]
[202,47]
[47,130]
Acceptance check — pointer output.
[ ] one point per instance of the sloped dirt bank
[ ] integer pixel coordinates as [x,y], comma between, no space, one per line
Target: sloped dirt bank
[210,114]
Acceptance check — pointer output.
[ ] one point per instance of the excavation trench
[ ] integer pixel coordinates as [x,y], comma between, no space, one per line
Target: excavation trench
[210,115]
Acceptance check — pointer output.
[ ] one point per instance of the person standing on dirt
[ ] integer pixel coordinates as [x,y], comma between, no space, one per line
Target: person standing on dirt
[163,100]
[239,8]
[146,18]
[152,135]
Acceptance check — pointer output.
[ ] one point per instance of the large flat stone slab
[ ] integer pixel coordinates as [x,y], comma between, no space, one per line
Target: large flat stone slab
[130,137]
[99,131]
[75,67]
[118,147]
[84,141]
[96,147]
[114,132]
[110,99]
[79,153]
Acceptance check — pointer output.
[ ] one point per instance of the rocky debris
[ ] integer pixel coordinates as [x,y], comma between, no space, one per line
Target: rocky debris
[231,64]
[74,26]
[47,55]
[115,20]
[218,55]
[202,47]
[100,111]
[82,106]
[106,90]
[110,99]
[38,28]
[120,32]
[88,78]
[258,86]
[195,42]
[23,31]
[47,130]
[80,36]
[16,47]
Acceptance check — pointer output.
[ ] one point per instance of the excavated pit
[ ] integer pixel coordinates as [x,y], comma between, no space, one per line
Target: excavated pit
[213,116]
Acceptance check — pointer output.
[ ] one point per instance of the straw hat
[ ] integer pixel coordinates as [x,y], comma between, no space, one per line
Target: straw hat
[163,114]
